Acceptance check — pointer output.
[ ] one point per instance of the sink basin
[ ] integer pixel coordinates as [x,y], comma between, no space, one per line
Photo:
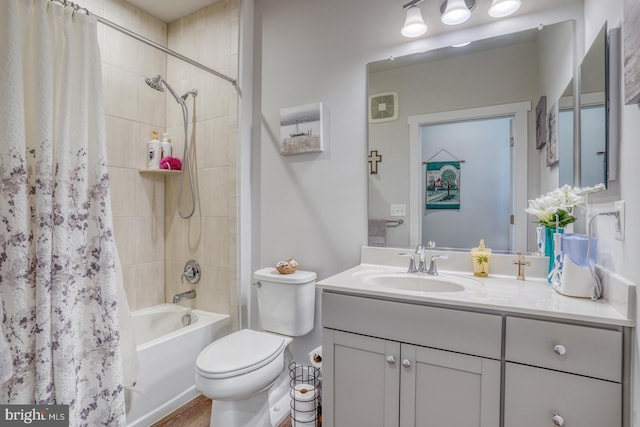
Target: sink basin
[420,282]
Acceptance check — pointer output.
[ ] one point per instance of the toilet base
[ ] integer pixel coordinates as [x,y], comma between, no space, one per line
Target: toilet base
[250,412]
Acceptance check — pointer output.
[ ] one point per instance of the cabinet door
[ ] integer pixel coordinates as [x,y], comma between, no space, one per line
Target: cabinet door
[537,397]
[360,381]
[444,389]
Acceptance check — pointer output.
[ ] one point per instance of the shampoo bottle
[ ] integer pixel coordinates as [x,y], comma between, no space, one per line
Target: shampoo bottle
[480,257]
[165,146]
[154,152]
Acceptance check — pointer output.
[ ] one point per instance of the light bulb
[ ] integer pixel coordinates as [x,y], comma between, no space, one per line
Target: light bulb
[456,12]
[501,8]
[414,25]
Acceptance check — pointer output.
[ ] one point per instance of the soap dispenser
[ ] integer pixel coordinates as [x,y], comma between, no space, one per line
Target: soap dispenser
[165,146]
[480,257]
[154,152]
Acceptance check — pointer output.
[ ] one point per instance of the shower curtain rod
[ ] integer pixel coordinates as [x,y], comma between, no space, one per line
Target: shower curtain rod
[145,40]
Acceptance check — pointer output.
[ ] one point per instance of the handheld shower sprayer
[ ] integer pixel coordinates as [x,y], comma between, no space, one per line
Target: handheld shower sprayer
[158,83]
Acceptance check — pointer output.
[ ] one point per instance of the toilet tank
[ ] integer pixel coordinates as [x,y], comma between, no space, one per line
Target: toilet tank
[286,302]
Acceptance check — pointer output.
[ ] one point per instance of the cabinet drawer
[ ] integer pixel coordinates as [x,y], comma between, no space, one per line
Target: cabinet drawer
[460,331]
[534,396]
[587,351]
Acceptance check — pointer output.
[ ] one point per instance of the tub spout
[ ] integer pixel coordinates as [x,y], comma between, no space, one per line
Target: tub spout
[184,295]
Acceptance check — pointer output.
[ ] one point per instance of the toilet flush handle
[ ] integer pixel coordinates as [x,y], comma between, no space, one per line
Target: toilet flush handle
[257,284]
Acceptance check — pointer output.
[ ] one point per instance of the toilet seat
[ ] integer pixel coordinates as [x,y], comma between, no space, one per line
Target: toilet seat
[239,353]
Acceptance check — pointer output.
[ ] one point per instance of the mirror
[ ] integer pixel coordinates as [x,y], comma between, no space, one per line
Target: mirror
[502,77]
[593,112]
[566,121]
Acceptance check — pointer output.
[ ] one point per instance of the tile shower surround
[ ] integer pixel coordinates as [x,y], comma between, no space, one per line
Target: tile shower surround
[153,242]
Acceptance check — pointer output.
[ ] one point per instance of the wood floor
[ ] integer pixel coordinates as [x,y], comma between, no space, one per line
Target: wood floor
[196,413]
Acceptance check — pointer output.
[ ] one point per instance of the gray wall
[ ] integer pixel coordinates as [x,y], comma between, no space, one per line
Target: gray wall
[313,206]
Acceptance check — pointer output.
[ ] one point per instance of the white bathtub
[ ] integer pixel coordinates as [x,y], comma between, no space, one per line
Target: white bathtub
[167,353]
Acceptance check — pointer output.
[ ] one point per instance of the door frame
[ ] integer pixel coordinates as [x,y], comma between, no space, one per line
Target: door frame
[519,111]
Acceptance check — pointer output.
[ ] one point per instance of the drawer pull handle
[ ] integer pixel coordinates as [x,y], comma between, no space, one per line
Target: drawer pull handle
[406,363]
[391,360]
[557,420]
[560,349]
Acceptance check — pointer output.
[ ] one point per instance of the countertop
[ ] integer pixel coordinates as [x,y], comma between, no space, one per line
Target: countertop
[501,293]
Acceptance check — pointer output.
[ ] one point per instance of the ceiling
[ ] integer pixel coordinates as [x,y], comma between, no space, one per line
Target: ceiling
[170,10]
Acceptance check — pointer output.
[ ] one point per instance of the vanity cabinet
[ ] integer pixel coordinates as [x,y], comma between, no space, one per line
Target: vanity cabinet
[562,375]
[390,363]
[380,367]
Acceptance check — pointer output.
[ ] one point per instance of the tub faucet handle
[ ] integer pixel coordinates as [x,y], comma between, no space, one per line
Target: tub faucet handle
[191,272]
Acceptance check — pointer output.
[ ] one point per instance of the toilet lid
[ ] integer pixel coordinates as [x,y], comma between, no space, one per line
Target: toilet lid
[238,353]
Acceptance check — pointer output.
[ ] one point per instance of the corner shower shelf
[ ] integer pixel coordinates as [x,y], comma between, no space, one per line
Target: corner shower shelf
[159,171]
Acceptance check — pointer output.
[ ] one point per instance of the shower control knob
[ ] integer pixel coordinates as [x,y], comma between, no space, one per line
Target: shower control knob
[391,360]
[557,420]
[406,363]
[191,272]
[560,349]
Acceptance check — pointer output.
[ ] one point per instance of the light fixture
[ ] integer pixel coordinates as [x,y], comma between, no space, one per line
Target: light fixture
[454,12]
[501,8]
[414,25]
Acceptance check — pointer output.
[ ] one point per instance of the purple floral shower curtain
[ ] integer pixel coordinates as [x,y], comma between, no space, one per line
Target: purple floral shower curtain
[57,279]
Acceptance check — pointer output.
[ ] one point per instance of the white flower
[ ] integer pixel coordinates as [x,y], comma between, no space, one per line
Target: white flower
[557,206]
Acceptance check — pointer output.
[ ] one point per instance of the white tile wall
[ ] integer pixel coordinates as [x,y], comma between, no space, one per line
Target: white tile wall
[153,241]
[211,235]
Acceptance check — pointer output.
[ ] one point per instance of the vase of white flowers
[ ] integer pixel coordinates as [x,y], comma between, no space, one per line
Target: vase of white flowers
[557,209]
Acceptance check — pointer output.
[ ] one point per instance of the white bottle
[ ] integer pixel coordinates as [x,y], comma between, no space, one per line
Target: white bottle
[165,146]
[154,152]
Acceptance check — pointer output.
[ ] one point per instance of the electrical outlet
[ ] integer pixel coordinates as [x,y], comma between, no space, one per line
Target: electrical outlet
[398,210]
[619,207]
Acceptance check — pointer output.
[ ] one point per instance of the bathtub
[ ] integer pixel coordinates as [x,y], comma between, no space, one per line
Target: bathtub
[167,353]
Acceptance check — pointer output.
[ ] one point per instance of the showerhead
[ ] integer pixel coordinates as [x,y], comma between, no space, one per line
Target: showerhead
[158,83]
[155,83]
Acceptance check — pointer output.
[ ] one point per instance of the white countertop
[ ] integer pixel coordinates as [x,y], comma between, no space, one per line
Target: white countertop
[502,293]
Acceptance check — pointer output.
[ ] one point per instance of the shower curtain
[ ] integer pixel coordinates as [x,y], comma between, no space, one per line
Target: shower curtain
[57,275]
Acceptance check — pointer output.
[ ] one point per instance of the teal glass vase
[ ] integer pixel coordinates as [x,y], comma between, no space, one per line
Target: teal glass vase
[548,246]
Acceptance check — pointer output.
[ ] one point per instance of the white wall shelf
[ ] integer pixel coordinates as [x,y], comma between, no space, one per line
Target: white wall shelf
[159,171]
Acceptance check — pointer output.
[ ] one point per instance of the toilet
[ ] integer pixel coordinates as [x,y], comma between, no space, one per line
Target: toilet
[238,370]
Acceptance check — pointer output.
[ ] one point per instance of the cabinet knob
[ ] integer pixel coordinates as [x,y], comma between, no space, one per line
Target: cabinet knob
[406,363]
[557,420]
[391,360]
[560,349]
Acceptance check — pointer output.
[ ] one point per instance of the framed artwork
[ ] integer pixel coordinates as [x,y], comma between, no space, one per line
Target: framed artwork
[541,120]
[552,136]
[443,185]
[301,129]
[631,36]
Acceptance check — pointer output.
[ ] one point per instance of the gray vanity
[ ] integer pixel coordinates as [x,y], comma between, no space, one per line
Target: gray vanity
[500,352]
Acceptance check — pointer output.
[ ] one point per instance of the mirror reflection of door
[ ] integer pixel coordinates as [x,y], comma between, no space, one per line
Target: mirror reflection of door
[484,187]
[594,138]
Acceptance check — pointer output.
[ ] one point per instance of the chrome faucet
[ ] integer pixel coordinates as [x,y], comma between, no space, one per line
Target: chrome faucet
[184,295]
[433,267]
[421,258]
